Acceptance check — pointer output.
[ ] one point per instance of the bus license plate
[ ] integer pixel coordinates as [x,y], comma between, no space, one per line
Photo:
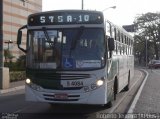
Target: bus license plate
[61,96]
[72,83]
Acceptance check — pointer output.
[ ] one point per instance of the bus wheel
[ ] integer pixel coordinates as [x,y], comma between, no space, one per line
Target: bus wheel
[128,85]
[109,104]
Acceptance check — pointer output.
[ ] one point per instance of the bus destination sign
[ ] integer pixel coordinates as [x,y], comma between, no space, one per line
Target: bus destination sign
[62,18]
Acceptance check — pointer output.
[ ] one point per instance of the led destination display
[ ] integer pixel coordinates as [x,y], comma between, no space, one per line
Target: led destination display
[67,17]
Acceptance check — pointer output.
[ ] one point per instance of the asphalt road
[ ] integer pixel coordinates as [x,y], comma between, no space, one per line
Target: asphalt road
[14,105]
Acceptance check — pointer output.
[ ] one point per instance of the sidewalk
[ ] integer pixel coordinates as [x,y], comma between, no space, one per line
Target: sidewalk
[17,83]
[14,86]
[149,99]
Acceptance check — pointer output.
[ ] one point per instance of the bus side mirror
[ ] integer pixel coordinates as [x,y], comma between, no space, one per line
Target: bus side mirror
[111,44]
[19,37]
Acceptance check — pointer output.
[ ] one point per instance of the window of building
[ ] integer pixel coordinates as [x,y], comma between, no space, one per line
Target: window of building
[24,2]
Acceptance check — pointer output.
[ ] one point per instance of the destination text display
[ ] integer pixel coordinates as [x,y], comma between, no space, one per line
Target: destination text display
[62,18]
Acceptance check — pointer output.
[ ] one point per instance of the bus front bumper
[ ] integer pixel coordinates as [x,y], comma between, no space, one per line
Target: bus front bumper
[94,97]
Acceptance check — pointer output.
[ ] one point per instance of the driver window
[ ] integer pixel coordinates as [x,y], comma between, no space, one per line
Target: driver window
[108,29]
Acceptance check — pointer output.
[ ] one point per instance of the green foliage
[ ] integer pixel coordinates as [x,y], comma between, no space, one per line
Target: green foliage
[147,28]
[17,69]
[17,75]
[19,65]
[8,55]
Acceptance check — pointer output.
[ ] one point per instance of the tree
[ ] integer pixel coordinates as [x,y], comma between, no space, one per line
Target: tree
[8,55]
[21,63]
[148,28]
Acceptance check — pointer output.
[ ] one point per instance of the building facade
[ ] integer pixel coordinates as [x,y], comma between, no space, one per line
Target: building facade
[14,14]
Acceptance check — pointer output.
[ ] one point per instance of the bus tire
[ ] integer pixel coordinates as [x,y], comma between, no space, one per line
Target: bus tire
[109,104]
[128,85]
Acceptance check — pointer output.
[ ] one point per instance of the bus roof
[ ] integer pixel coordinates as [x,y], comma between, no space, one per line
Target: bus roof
[55,11]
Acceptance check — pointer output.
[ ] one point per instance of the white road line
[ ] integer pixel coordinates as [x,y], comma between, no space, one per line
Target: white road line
[20,110]
[131,109]
[115,107]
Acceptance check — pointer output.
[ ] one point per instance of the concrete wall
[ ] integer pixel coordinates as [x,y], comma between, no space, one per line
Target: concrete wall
[1,34]
[4,81]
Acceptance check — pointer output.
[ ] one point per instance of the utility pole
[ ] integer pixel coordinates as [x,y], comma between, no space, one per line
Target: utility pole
[8,42]
[146,54]
[82,5]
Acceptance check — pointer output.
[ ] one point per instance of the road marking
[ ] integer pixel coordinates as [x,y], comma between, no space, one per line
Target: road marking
[115,107]
[20,110]
[138,93]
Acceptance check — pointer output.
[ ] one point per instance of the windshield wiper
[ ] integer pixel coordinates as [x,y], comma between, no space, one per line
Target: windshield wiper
[46,34]
[51,43]
[77,37]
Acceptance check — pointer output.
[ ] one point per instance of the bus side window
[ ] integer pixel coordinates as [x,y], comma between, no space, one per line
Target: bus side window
[115,34]
[108,29]
[125,40]
[122,43]
[127,45]
[122,37]
[115,37]
[112,32]
[119,37]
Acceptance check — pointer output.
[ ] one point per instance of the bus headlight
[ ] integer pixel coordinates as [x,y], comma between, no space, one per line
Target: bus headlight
[94,86]
[32,85]
[99,82]
[28,81]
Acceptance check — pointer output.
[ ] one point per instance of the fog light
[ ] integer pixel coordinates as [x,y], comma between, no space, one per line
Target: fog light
[28,81]
[100,82]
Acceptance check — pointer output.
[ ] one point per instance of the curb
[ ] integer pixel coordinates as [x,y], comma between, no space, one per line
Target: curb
[12,89]
[131,109]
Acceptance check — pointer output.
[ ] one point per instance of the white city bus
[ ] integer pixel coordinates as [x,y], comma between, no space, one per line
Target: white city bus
[76,57]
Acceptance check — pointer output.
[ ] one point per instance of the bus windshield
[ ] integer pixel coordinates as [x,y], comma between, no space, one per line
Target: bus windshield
[66,49]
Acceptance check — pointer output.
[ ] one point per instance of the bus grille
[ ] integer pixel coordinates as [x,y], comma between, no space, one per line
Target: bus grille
[61,76]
